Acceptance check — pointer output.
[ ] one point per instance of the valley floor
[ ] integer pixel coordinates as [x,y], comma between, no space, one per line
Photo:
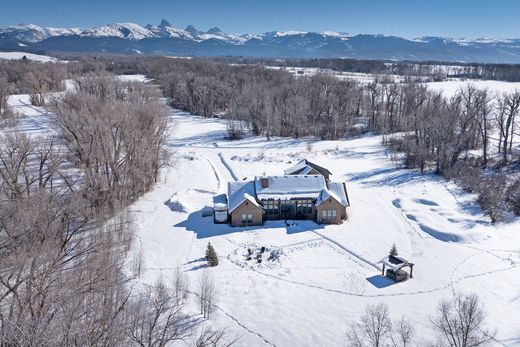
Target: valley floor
[325,276]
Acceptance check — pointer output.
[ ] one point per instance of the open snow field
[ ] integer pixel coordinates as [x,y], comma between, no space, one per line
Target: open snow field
[450,88]
[325,276]
[30,56]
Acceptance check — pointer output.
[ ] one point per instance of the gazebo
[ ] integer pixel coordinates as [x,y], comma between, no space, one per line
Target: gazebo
[394,268]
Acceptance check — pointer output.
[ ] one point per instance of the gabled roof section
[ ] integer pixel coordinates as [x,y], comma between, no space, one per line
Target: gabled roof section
[290,187]
[239,192]
[302,168]
[337,191]
[394,262]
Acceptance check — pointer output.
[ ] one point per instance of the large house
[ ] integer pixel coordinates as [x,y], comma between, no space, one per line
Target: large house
[304,192]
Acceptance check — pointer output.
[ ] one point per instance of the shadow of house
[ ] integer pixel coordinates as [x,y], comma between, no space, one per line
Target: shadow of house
[204,227]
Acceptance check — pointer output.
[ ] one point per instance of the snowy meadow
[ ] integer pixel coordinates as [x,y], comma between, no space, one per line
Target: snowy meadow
[318,279]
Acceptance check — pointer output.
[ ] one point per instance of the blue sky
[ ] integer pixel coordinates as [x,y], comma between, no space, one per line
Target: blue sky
[454,18]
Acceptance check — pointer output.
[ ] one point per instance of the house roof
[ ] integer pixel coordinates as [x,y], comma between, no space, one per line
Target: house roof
[220,201]
[290,187]
[395,263]
[304,166]
[336,191]
[287,187]
[239,192]
[339,192]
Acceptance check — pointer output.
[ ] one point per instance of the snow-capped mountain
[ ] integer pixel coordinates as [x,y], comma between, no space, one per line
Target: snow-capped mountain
[167,39]
[30,33]
[129,31]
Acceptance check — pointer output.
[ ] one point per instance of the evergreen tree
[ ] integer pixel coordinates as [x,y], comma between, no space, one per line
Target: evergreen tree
[211,255]
[393,251]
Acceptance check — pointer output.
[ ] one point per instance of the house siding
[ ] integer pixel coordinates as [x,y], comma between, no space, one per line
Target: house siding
[246,208]
[331,204]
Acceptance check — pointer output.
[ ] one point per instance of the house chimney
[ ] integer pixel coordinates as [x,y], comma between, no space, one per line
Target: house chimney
[265,182]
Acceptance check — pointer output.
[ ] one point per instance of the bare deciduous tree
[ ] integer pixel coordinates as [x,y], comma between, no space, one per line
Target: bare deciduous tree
[215,338]
[460,322]
[373,328]
[155,318]
[207,293]
[403,333]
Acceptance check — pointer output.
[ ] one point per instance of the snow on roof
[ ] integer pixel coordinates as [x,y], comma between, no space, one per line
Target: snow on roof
[240,191]
[339,192]
[306,170]
[286,187]
[296,168]
[220,202]
[290,187]
[395,263]
[305,165]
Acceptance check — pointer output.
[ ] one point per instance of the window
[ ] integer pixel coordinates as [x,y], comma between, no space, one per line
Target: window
[328,214]
[305,207]
[247,218]
[270,207]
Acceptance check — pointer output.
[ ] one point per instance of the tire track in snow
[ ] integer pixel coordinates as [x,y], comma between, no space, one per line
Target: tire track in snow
[215,172]
[228,167]
[354,254]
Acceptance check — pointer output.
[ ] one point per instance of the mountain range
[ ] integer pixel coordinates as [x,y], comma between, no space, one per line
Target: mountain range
[165,39]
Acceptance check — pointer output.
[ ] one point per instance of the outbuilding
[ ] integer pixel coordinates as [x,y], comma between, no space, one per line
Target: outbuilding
[394,268]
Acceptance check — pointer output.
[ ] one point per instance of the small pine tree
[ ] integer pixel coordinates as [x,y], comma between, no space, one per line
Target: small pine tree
[393,250]
[211,255]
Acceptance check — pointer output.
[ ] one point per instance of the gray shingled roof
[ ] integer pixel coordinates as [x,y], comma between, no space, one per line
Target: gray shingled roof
[300,167]
[240,191]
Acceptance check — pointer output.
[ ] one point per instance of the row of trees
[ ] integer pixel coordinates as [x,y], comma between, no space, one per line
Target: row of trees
[37,80]
[457,322]
[64,239]
[458,137]
[469,137]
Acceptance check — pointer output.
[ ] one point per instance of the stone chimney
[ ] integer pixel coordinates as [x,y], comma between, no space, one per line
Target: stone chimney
[265,182]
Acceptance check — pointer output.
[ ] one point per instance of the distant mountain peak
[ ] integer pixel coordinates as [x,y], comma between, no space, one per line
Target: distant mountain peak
[215,31]
[164,23]
[192,30]
[166,39]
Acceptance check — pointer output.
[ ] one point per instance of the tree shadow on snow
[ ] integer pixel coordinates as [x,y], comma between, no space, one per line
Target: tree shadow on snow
[393,176]
[380,281]
[440,235]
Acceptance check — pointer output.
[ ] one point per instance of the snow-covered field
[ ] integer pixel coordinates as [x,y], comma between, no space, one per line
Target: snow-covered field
[325,276]
[30,56]
[449,88]
[360,77]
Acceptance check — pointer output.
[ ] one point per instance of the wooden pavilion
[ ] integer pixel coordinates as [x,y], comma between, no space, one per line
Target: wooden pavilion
[394,268]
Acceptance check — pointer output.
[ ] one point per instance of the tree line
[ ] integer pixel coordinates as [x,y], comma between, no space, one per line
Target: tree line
[468,137]
[456,322]
[65,239]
